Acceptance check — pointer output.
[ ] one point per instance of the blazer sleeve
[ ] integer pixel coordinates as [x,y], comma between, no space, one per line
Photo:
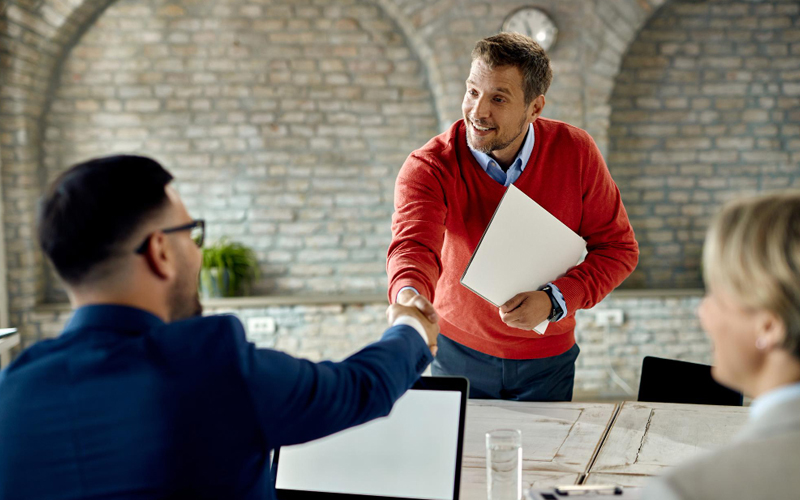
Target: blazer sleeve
[296,400]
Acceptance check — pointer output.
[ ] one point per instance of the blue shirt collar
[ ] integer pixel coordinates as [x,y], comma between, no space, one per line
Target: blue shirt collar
[764,403]
[490,166]
[112,318]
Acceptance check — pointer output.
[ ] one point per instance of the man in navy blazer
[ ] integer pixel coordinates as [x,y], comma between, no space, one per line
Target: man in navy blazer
[142,398]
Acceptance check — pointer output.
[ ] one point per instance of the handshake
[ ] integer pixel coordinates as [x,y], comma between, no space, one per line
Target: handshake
[418,307]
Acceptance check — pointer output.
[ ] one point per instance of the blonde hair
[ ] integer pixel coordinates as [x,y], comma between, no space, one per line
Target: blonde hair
[752,251]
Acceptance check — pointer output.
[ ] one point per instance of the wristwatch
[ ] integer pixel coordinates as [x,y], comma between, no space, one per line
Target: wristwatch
[556,312]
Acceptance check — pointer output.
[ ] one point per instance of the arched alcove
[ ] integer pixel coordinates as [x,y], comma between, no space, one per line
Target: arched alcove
[705,108]
[284,124]
[34,36]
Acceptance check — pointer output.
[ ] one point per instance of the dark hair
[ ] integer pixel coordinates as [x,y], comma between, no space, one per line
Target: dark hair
[91,210]
[520,51]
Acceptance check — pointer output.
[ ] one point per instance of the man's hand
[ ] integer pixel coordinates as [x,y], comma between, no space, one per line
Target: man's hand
[410,298]
[526,310]
[431,327]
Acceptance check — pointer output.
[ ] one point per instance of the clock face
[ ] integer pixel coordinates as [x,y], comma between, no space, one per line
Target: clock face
[534,23]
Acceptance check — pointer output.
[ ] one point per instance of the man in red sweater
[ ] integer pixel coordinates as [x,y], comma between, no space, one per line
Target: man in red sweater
[445,196]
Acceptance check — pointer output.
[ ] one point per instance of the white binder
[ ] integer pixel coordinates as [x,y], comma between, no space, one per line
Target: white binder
[523,248]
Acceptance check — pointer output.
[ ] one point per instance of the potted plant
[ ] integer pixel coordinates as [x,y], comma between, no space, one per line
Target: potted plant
[229,269]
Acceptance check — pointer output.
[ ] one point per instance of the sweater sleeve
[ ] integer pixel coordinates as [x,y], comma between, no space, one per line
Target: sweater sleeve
[418,227]
[612,251]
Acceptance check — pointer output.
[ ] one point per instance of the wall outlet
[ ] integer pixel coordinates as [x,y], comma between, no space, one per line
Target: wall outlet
[260,324]
[609,317]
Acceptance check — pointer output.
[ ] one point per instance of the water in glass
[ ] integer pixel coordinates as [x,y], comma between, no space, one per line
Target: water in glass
[504,465]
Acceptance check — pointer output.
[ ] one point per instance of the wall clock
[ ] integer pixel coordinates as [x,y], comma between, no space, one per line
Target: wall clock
[534,23]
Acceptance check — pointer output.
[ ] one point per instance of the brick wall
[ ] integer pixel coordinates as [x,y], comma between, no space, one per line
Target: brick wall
[706,108]
[237,93]
[35,35]
[287,120]
[592,38]
[284,124]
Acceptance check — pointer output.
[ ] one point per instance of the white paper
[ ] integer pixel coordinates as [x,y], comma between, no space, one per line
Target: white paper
[524,248]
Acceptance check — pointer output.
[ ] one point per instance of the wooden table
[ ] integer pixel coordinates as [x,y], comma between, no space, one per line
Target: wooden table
[594,443]
[647,438]
[559,440]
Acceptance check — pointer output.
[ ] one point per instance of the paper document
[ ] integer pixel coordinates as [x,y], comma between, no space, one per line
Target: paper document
[523,248]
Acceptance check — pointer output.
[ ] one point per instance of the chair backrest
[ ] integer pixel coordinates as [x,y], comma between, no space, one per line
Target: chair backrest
[673,381]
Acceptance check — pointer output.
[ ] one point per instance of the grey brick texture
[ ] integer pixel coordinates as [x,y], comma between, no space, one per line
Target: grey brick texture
[284,125]
[705,109]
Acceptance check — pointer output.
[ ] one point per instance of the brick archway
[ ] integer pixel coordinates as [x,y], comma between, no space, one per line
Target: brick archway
[705,110]
[446,55]
[35,40]
[34,37]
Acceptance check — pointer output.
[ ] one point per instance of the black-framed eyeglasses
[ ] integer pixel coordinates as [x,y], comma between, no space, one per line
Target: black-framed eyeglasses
[198,235]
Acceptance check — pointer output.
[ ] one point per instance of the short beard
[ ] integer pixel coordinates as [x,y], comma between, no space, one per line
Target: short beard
[184,299]
[492,146]
[496,145]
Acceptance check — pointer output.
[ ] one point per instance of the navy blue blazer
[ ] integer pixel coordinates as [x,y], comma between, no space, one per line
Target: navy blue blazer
[123,405]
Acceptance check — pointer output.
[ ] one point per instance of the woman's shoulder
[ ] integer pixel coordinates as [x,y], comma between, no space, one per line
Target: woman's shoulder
[756,467]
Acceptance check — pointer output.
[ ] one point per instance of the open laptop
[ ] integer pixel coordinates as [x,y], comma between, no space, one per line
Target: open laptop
[413,453]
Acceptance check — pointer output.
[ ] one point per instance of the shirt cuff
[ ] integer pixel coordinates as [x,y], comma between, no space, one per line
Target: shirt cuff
[561,302]
[413,323]
[405,288]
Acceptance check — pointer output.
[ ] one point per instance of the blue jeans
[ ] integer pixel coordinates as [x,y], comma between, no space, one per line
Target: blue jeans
[543,379]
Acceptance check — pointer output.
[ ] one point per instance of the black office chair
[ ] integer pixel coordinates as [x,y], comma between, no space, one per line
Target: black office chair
[673,381]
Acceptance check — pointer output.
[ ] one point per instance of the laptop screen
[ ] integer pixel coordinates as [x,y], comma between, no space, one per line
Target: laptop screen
[415,452]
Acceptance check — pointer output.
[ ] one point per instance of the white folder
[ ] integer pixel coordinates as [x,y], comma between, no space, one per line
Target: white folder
[523,248]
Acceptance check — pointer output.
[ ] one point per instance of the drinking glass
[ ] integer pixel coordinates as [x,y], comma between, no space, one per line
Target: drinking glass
[504,464]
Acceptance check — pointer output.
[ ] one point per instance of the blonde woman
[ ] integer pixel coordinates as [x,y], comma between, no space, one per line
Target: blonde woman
[752,314]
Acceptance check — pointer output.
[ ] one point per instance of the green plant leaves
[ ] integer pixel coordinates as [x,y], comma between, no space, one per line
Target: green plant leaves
[238,260]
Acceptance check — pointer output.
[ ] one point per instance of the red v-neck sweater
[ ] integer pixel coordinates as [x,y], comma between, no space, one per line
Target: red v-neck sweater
[444,201]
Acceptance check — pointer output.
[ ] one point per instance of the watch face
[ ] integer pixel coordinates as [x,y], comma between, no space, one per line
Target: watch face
[534,23]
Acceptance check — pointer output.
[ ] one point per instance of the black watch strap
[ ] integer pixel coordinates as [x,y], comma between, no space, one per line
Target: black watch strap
[556,310]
